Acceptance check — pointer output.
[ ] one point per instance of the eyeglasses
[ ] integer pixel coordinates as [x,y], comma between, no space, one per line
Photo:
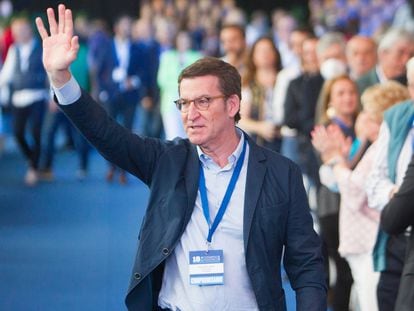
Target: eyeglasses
[200,103]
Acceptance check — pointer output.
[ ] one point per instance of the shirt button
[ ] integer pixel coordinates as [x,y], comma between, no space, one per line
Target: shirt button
[165,251]
[137,276]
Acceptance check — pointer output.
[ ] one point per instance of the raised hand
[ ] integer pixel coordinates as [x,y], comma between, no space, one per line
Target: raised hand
[61,47]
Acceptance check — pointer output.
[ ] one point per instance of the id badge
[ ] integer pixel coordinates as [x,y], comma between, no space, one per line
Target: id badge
[206,267]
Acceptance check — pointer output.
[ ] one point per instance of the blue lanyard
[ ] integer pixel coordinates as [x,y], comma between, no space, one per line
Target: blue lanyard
[227,195]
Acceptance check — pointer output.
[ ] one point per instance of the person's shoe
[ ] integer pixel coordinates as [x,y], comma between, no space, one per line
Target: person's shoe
[81,174]
[110,175]
[123,178]
[46,175]
[31,178]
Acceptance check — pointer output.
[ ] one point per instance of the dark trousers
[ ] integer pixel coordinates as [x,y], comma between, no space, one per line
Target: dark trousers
[340,292]
[58,120]
[151,122]
[33,115]
[389,281]
[122,108]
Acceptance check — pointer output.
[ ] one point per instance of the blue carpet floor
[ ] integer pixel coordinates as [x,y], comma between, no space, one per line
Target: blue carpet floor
[68,245]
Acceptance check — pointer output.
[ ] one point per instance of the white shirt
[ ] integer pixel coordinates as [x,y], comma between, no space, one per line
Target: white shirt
[120,73]
[378,185]
[25,97]
[380,74]
[122,52]
[68,93]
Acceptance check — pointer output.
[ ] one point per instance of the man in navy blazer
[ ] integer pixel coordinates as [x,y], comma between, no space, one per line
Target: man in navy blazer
[185,259]
[123,73]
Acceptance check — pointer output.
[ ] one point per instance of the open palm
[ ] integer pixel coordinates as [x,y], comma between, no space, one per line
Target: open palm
[60,47]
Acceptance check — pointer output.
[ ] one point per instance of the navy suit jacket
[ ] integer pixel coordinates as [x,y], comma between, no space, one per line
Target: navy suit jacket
[139,66]
[277,220]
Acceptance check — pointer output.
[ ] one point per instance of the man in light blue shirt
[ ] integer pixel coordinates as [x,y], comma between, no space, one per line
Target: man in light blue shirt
[222,210]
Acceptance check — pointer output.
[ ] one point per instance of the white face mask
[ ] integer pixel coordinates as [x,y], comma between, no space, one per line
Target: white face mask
[332,68]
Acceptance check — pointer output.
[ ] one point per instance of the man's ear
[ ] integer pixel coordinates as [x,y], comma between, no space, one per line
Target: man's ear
[233,105]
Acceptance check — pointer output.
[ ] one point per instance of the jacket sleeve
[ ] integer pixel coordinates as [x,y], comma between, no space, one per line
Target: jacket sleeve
[291,106]
[398,214]
[140,66]
[303,258]
[115,143]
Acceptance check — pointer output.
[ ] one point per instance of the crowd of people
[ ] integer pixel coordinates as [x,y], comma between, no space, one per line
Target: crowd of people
[335,96]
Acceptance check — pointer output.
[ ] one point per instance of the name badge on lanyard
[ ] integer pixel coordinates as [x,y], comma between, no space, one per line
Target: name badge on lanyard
[207,266]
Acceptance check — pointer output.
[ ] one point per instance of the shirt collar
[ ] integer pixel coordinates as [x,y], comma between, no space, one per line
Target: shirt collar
[28,45]
[122,43]
[380,74]
[208,162]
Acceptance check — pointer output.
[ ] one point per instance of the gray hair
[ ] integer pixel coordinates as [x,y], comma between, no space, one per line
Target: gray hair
[329,39]
[392,36]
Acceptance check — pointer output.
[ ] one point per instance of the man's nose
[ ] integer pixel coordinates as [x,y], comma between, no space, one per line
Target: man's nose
[192,111]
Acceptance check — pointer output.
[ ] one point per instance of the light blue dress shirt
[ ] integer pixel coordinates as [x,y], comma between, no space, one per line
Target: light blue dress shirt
[176,292]
[236,293]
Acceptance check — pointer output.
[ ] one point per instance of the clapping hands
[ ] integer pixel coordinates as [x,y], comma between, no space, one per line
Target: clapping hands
[330,142]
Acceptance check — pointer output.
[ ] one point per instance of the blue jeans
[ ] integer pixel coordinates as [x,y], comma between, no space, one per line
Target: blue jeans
[290,148]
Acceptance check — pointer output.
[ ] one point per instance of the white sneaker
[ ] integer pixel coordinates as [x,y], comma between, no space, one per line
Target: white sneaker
[31,177]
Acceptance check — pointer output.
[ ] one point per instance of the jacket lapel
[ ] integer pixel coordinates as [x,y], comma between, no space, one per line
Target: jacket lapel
[374,77]
[191,180]
[255,176]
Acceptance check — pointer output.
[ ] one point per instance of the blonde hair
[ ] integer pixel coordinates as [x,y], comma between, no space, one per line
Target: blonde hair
[379,97]
[322,110]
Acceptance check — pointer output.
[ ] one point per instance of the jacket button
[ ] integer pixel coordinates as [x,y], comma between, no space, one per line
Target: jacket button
[165,251]
[137,276]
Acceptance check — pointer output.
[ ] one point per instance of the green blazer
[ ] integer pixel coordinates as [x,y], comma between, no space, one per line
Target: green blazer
[168,72]
[367,80]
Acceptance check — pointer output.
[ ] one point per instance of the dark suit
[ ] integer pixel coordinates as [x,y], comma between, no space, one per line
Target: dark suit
[138,66]
[300,107]
[276,213]
[395,218]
